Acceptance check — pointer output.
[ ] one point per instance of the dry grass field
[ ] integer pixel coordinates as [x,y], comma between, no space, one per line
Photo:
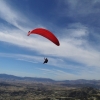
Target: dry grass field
[45,91]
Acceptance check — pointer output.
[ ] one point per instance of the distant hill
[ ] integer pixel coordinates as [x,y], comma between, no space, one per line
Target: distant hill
[69,83]
[81,81]
[6,77]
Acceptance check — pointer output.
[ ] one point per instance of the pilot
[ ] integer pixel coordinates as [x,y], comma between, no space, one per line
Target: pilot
[45,60]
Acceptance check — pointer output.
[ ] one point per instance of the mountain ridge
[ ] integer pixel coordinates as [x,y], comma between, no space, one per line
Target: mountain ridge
[82,81]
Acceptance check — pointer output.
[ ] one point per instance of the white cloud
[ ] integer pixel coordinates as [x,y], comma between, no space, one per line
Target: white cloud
[63,75]
[13,17]
[28,58]
[82,8]
[58,74]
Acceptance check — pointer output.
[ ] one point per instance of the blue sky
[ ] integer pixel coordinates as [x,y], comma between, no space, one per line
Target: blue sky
[76,23]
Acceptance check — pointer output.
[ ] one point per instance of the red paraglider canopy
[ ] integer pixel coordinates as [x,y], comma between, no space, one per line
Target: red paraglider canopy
[45,33]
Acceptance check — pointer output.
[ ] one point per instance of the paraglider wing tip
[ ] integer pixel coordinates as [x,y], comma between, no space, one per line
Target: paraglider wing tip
[59,44]
[28,33]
